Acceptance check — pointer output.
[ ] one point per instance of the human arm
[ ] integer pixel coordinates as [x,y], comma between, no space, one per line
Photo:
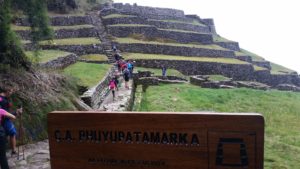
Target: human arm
[7,114]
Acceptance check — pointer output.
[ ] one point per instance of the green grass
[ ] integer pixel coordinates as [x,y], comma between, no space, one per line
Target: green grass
[158,72]
[218,78]
[129,25]
[195,22]
[178,30]
[94,57]
[254,56]
[280,109]
[135,41]
[258,68]
[72,41]
[278,69]
[44,56]
[118,16]
[88,74]
[218,38]
[27,28]
[137,56]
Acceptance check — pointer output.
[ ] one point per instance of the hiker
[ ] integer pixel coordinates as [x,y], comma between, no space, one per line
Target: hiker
[164,71]
[126,77]
[114,48]
[3,159]
[117,56]
[8,126]
[130,68]
[116,79]
[112,87]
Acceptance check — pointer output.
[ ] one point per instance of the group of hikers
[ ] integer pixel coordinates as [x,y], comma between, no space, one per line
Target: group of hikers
[7,128]
[125,69]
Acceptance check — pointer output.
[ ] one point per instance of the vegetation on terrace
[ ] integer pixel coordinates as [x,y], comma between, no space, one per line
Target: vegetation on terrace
[195,22]
[88,74]
[136,41]
[158,72]
[179,30]
[138,56]
[95,57]
[72,41]
[44,56]
[254,56]
[278,69]
[129,25]
[218,78]
[27,28]
[218,38]
[117,16]
[280,109]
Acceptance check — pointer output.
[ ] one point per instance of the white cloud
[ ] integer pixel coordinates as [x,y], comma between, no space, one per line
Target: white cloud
[270,28]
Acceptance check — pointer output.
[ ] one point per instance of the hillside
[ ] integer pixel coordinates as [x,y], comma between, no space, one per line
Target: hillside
[80,62]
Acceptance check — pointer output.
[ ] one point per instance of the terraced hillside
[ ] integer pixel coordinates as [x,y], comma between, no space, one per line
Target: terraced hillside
[145,31]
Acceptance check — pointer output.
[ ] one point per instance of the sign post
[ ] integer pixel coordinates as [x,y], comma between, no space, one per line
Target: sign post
[135,140]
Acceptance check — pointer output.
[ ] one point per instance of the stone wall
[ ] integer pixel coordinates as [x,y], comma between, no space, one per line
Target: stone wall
[159,24]
[174,50]
[60,62]
[60,21]
[235,71]
[150,12]
[276,79]
[64,33]
[264,64]
[210,23]
[245,58]
[153,32]
[95,96]
[229,45]
[76,49]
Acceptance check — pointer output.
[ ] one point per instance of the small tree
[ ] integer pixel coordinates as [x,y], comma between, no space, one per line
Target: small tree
[11,52]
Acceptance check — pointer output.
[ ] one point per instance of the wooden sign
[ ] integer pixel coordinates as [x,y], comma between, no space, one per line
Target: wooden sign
[91,140]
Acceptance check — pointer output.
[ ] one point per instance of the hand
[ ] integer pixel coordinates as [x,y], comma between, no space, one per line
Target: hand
[19,111]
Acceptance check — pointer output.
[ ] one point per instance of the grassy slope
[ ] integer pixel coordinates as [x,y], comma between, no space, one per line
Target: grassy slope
[280,109]
[94,57]
[131,40]
[46,55]
[88,74]
[195,22]
[136,56]
[25,28]
[72,41]
[117,16]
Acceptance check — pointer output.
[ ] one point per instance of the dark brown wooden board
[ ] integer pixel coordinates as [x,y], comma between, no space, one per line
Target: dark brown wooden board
[132,140]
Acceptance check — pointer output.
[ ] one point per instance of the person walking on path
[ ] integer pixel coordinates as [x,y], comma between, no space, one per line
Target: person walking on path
[126,75]
[3,158]
[7,124]
[112,88]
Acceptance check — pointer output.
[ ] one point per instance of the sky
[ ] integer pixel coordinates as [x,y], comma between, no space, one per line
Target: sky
[269,28]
